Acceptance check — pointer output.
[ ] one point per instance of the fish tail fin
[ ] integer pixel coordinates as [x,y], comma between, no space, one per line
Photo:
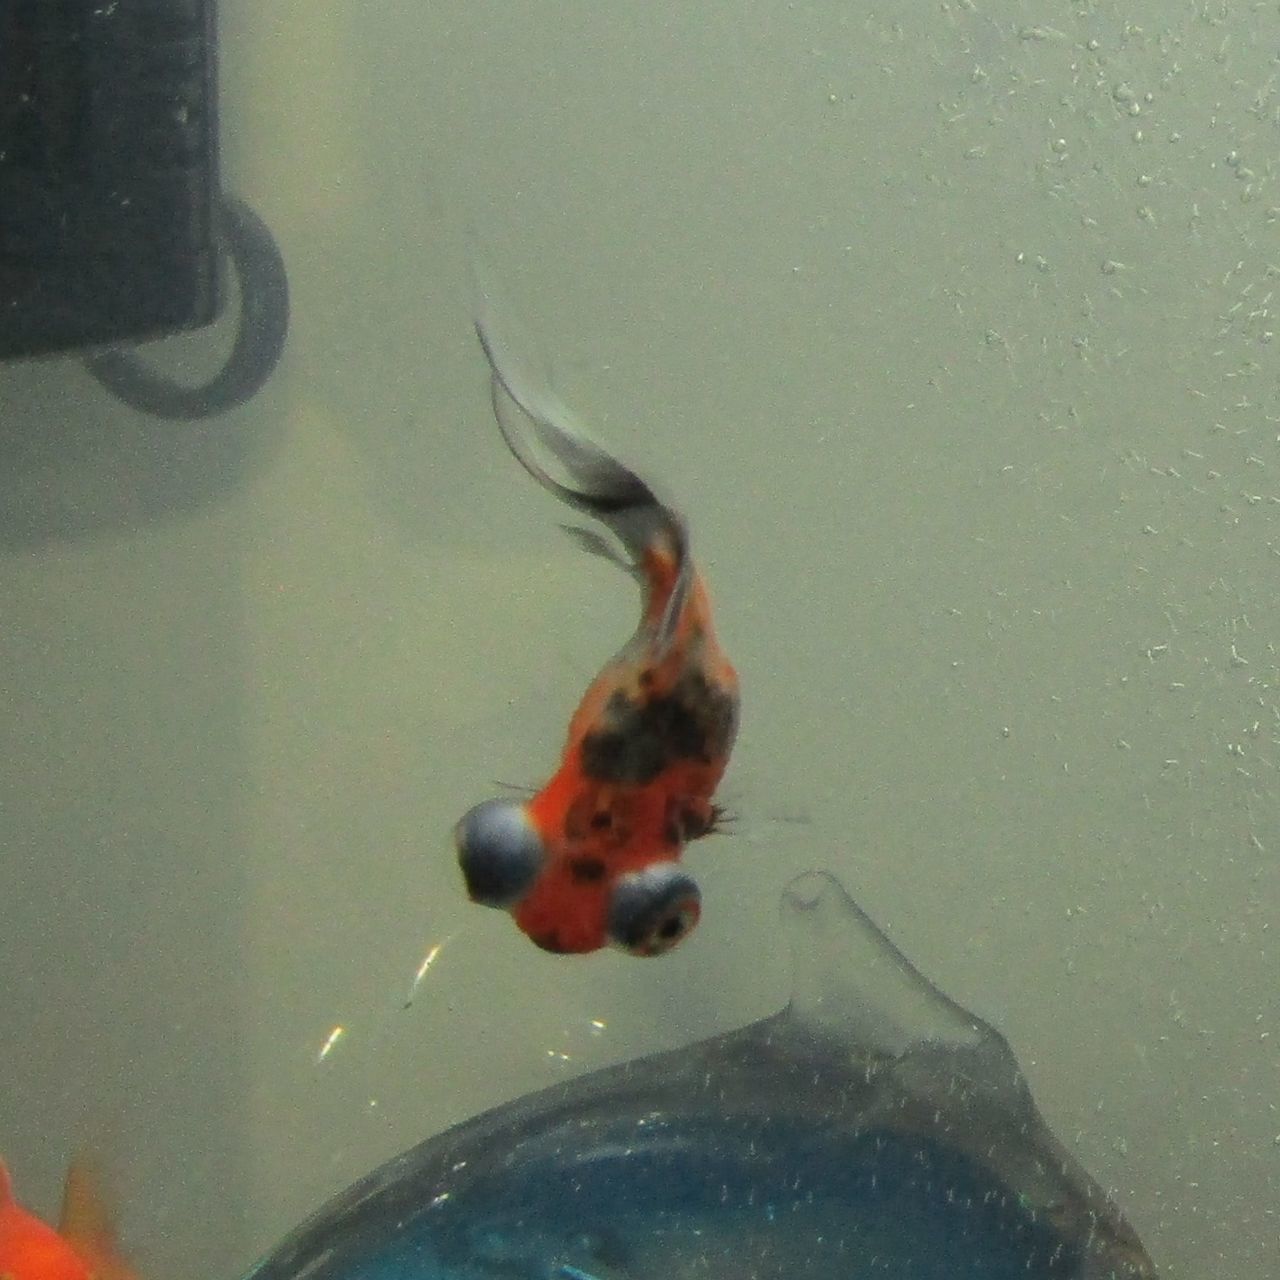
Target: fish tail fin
[596,544]
[534,420]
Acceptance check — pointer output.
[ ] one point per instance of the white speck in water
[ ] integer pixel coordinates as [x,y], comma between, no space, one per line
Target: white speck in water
[331,1043]
[424,968]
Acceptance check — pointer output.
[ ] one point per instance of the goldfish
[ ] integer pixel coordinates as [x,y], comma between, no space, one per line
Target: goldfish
[591,859]
[82,1248]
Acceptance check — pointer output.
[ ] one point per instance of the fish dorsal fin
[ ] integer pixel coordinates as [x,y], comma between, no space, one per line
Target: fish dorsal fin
[669,623]
[852,984]
[86,1221]
[6,1186]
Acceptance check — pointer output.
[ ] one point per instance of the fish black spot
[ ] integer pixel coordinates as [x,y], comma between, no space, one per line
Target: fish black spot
[695,721]
[586,870]
[549,942]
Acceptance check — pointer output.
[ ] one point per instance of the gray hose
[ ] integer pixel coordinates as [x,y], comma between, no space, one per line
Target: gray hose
[260,335]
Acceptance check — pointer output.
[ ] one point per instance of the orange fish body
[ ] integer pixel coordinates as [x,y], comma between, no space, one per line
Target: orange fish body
[82,1248]
[591,859]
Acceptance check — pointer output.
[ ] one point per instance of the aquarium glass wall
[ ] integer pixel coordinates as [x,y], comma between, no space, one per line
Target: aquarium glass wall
[949,328]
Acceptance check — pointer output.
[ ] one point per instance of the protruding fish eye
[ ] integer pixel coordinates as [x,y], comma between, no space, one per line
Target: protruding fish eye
[499,851]
[653,909]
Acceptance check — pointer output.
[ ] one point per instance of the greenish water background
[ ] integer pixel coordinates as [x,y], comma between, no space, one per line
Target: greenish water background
[949,328]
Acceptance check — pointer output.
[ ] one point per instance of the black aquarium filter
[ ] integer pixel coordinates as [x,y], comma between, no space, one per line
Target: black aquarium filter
[108,172]
[112,217]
